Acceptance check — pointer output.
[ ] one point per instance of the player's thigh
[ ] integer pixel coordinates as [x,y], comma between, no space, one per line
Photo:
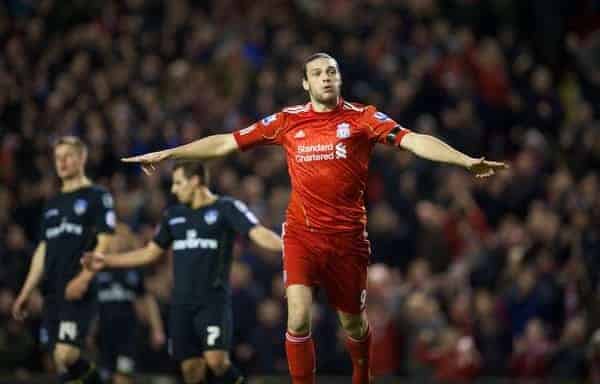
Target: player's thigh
[355,325]
[183,341]
[214,326]
[344,278]
[193,369]
[299,259]
[217,361]
[65,354]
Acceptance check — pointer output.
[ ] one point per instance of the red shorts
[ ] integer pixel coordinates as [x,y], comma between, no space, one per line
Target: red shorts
[335,262]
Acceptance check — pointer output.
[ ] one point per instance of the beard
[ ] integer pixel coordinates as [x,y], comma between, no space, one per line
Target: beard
[327,97]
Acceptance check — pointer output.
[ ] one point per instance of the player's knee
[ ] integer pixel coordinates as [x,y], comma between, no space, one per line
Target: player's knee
[218,364]
[193,371]
[298,320]
[298,308]
[355,326]
[298,325]
[65,355]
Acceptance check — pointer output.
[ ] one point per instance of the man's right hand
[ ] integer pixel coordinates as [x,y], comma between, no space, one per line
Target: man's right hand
[94,261]
[149,161]
[19,311]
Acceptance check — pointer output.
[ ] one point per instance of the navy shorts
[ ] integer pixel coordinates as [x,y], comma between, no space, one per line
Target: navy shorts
[66,322]
[195,330]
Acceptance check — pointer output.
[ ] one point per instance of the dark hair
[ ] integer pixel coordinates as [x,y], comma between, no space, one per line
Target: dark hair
[315,56]
[72,141]
[193,168]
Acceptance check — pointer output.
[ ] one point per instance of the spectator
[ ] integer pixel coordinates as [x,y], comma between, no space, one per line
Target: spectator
[532,352]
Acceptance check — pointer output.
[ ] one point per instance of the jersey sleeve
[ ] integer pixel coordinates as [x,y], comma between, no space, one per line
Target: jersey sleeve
[381,128]
[105,219]
[264,132]
[239,216]
[163,236]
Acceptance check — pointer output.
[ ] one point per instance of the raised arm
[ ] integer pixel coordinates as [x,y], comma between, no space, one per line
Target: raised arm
[36,271]
[265,238]
[431,148]
[203,149]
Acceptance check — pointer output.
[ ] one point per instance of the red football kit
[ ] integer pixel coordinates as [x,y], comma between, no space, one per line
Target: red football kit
[328,156]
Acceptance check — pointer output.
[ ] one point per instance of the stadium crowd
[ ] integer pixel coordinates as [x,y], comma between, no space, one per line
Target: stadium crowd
[469,279]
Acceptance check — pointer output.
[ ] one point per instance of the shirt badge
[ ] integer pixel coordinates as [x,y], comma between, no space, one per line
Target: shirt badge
[211,216]
[343,131]
[80,206]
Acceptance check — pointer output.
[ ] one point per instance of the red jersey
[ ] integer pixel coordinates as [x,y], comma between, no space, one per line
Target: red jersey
[328,158]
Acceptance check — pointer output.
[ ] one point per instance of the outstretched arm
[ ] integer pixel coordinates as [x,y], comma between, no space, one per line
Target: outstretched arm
[203,149]
[265,238]
[431,148]
[142,256]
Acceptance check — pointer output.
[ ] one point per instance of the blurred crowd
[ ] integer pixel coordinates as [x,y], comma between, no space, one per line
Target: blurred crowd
[470,278]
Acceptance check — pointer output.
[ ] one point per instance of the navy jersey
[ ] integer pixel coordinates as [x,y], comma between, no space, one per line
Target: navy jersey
[70,224]
[202,241]
[117,291]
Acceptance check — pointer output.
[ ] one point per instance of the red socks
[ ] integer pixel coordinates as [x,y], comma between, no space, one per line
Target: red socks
[301,358]
[360,353]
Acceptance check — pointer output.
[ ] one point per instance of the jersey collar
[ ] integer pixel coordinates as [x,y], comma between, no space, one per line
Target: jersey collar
[337,108]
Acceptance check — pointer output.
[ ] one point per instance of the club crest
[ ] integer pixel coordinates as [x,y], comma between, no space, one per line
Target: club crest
[343,131]
[80,206]
[211,216]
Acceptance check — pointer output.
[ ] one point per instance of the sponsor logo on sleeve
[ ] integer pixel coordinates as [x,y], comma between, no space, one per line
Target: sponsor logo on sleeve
[111,219]
[269,119]
[107,200]
[381,116]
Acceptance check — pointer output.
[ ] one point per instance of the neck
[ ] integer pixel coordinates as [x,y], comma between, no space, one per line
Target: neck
[203,196]
[318,106]
[74,183]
